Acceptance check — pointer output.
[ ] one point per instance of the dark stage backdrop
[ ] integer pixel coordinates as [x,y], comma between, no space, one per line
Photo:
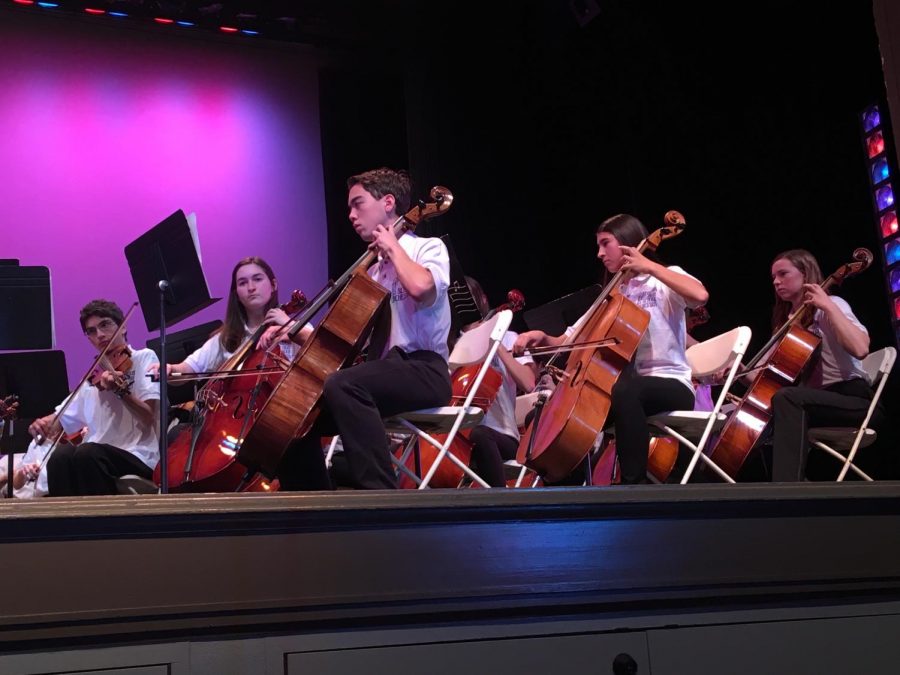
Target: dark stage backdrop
[743,119]
[107,130]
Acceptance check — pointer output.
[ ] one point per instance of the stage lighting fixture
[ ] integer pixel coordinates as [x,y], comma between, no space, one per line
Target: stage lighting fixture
[881,164]
[889,225]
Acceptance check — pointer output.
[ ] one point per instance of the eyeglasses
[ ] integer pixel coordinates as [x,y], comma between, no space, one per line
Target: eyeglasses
[104,326]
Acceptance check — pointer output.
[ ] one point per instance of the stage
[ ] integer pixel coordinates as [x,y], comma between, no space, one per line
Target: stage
[437,581]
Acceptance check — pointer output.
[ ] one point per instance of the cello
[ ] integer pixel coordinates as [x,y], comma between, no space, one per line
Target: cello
[293,406]
[663,450]
[201,458]
[565,427]
[791,348]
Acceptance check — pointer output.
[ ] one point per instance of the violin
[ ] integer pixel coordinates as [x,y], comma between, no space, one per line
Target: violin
[116,360]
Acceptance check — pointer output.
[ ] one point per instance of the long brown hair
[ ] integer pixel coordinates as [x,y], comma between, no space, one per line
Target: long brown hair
[808,266]
[232,331]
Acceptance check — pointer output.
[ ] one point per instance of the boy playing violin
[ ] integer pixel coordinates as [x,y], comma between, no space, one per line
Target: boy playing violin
[120,409]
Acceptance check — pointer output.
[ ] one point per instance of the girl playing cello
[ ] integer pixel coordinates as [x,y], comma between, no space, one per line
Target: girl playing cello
[660,378]
[836,391]
[252,301]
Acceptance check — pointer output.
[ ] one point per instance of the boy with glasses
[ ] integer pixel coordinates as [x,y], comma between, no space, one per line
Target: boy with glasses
[120,411]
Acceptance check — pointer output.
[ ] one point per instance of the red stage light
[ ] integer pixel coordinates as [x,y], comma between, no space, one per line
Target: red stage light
[897,308]
[93,10]
[163,20]
[24,2]
[889,225]
[228,29]
[875,144]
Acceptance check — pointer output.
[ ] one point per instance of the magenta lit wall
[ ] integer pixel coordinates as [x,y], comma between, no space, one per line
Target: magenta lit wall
[106,130]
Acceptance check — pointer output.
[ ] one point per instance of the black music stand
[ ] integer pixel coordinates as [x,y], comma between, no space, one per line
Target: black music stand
[41,382]
[555,316]
[179,346]
[463,309]
[25,292]
[171,286]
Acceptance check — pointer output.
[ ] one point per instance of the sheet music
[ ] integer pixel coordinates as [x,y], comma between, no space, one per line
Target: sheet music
[192,225]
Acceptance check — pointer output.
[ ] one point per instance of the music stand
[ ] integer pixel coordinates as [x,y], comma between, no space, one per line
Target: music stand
[171,286]
[41,382]
[463,309]
[179,346]
[25,292]
[555,316]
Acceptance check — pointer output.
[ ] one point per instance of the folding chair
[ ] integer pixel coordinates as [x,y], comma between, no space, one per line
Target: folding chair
[477,346]
[524,405]
[834,440]
[706,358]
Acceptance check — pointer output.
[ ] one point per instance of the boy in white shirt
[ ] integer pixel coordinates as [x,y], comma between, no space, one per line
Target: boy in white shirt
[410,370]
[121,412]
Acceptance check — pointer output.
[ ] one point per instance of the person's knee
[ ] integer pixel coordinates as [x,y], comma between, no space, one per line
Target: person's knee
[336,385]
[84,454]
[786,397]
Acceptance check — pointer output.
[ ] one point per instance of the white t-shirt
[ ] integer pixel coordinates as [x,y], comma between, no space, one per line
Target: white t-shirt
[834,364]
[110,421]
[415,326]
[34,455]
[660,352]
[212,353]
[502,414]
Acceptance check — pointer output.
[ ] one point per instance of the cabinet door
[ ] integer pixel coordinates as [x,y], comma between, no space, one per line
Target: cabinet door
[524,656]
[809,647]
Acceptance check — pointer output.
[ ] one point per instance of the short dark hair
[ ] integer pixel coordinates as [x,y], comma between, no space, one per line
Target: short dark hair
[384,181]
[102,308]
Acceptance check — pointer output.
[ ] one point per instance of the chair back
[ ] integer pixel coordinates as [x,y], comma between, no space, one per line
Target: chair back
[878,365]
[718,353]
[473,346]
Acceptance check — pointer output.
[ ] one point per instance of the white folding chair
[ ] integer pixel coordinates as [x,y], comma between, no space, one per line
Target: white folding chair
[478,345]
[693,428]
[835,440]
[524,405]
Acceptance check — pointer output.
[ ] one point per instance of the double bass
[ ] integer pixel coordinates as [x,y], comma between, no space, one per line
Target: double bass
[293,407]
[201,458]
[780,362]
[565,427]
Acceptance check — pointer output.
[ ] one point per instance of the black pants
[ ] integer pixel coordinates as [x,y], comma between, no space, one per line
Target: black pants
[634,398]
[90,469]
[796,409]
[490,449]
[354,401]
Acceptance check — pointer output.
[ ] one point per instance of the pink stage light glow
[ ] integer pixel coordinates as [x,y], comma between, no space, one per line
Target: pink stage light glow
[107,132]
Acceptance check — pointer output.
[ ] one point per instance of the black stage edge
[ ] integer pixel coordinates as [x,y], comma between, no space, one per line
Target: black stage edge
[86,570]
